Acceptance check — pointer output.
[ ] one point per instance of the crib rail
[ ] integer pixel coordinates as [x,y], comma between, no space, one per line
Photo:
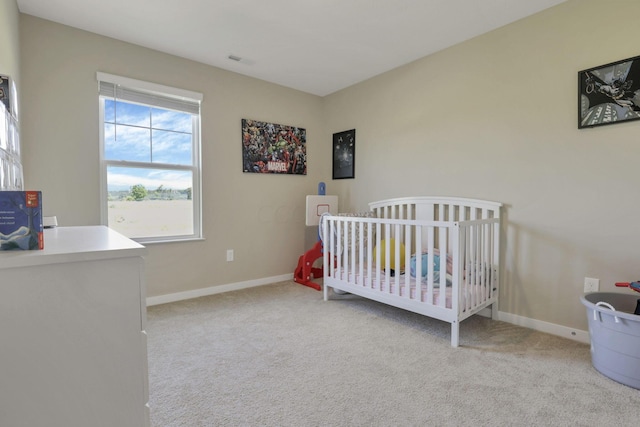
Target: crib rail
[435,208]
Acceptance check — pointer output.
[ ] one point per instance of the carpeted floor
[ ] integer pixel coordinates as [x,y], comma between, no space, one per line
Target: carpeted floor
[278,355]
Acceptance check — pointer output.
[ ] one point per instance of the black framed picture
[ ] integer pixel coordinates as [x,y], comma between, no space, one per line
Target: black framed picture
[344,154]
[5,92]
[609,93]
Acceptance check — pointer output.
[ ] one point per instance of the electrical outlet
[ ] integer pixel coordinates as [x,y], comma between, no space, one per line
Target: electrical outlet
[229,255]
[591,284]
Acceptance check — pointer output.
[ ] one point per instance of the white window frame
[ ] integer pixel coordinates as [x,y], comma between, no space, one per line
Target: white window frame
[165,95]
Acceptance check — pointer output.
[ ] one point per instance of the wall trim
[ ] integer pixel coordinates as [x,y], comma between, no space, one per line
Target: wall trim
[550,328]
[537,325]
[196,293]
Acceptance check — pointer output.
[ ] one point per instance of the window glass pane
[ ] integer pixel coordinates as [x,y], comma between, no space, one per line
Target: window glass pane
[150,202]
[133,114]
[172,147]
[174,120]
[127,143]
[109,111]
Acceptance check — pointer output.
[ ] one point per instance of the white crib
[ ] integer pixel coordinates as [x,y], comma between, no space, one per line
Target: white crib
[387,257]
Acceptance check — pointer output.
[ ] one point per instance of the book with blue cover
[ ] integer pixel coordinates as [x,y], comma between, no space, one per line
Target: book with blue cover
[21,220]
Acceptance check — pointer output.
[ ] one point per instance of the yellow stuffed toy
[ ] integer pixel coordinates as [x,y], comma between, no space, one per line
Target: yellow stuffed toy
[390,261]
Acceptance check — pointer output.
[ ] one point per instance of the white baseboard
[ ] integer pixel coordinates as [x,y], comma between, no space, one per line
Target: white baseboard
[196,293]
[537,325]
[550,328]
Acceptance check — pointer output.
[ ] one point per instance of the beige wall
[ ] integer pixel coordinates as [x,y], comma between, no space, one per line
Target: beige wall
[492,118]
[261,217]
[496,118]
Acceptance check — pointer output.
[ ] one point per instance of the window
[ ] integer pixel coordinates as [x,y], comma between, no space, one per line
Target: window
[150,159]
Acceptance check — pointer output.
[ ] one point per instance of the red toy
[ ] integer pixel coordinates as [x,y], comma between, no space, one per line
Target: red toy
[634,286]
[305,268]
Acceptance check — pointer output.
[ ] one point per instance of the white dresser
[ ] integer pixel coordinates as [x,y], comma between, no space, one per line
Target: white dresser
[73,348]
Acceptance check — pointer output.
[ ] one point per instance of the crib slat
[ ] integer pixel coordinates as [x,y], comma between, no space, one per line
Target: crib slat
[477,268]
[378,279]
[353,248]
[456,268]
[397,267]
[418,272]
[339,258]
[444,250]
[467,272]
[407,262]
[369,252]
[360,263]
[429,250]
[325,256]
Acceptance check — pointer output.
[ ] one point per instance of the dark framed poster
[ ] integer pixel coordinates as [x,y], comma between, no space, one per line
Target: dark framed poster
[5,92]
[273,148]
[344,154]
[609,93]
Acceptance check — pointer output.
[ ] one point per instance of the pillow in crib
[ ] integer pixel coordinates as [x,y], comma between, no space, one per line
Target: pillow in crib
[425,266]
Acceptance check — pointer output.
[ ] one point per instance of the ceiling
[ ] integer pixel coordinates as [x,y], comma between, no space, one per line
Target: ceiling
[316,46]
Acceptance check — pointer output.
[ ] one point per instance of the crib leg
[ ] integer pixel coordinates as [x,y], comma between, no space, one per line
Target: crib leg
[494,311]
[325,289]
[455,333]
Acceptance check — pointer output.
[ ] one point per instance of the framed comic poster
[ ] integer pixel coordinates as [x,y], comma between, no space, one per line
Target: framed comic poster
[344,154]
[609,93]
[273,148]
